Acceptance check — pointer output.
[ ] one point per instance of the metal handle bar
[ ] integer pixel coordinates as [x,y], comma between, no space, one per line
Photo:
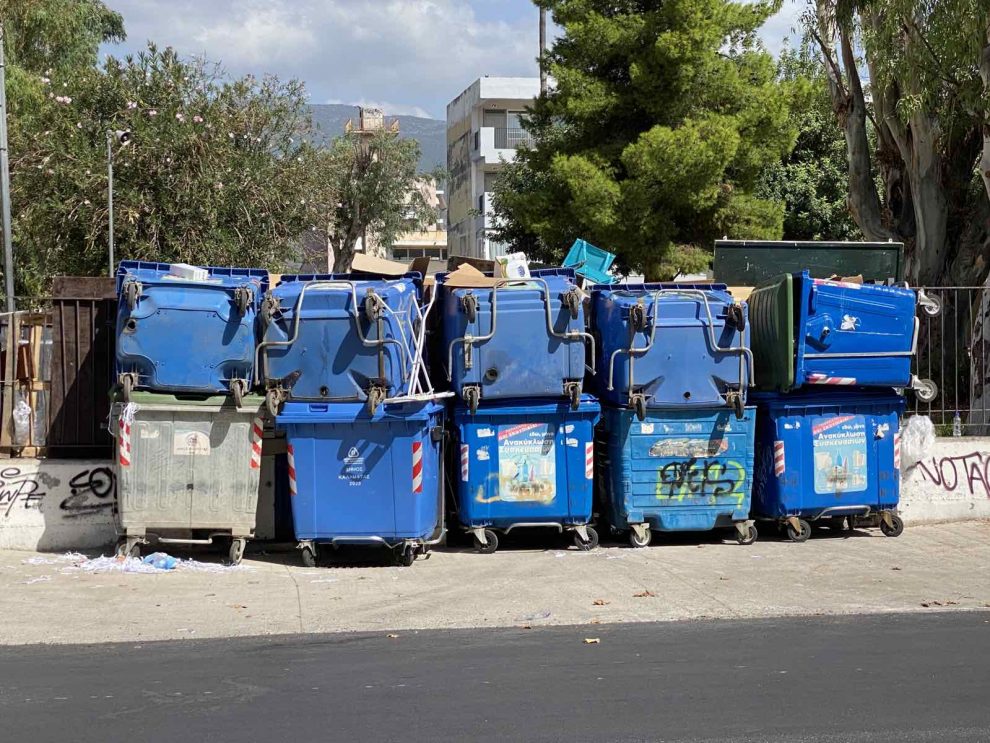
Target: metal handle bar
[567,335]
[743,351]
[297,312]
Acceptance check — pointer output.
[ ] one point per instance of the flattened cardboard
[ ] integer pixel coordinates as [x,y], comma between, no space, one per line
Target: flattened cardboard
[364,263]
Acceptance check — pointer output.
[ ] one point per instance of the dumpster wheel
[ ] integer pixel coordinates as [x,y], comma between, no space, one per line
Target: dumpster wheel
[574,393]
[490,544]
[308,554]
[799,534]
[405,555]
[126,548]
[735,317]
[749,537]
[738,404]
[238,388]
[925,390]
[127,386]
[273,402]
[236,552]
[639,404]
[638,541]
[590,544]
[376,396]
[893,529]
[472,396]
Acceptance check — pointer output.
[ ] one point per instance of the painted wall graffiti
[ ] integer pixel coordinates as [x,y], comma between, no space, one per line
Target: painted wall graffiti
[90,490]
[970,472]
[706,478]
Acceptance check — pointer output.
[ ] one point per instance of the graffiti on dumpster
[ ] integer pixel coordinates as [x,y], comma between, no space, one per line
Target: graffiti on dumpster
[90,491]
[694,477]
[969,471]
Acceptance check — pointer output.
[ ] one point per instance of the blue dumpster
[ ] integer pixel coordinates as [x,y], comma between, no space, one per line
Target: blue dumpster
[518,338]
[187,336]
[836,333]
[357,477]
[527,465]
[828,456]
[677,470]
[340,338]
[671,346]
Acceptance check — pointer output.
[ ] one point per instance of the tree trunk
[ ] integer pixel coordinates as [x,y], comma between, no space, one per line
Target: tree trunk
[985,76]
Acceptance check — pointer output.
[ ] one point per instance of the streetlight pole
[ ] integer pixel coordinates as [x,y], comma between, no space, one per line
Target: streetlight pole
[543,49]
[8,245]
[110,194]
[121,137]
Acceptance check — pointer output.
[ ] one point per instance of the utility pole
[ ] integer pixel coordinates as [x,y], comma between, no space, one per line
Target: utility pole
[8,245]
[543,49]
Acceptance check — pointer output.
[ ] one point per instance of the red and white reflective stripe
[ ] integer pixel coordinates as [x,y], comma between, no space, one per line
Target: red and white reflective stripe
[823,379]
[257,431]
[417,466]
[124,444]
[778,458]
[292,469]
[897,450]
[589,461]
[465,462]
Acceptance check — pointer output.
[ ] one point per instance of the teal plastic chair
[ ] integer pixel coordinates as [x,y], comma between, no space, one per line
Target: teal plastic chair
[590,262]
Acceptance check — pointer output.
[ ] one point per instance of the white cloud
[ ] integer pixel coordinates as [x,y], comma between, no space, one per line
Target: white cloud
[415,54]
[785,26]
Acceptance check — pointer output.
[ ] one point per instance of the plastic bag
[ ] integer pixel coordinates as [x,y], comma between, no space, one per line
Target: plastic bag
[22,423]
[917,439]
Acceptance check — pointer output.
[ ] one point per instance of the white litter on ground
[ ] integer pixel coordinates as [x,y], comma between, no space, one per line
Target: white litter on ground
[74,562]
[39,579]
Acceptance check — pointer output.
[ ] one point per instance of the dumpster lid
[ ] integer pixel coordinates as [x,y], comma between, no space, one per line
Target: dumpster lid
[771,319]
[539,406]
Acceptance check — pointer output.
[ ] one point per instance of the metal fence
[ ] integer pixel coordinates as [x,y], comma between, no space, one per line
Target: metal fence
[954,352]
[511,138]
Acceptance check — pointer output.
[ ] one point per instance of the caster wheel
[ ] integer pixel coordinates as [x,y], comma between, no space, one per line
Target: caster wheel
[238,387]
[926,390]
[799,535]
[308,556]
[575,395]
[491,543]
[376,396]
[736,318]
[405,556]
[590,544]
[895,529]
[639,405]
[236,551]
[750,537]
[572,300]
[272,402]
[738,406]
[472,396]
[635,541]
[125,550]
[242,299]
[127,386]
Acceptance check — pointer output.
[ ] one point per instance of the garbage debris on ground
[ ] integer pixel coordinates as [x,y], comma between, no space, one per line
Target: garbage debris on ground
[158,562]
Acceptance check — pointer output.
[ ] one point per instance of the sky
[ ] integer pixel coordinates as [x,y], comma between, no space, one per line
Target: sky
[405,56]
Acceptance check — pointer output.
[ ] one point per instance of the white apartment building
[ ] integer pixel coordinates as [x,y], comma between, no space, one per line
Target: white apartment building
[483,132]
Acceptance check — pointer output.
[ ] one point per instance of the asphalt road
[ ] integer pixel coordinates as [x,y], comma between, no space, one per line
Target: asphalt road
[906,678]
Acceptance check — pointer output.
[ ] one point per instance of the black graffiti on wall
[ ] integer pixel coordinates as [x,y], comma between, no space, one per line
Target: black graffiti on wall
[91,490]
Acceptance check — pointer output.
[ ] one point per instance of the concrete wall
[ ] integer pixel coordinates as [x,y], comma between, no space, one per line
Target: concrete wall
[56,504]
[952,482]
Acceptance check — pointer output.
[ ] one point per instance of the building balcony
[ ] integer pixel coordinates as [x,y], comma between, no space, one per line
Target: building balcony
[498,144]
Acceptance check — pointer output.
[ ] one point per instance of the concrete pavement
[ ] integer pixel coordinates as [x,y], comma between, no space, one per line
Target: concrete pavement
[929,568]
[894,678]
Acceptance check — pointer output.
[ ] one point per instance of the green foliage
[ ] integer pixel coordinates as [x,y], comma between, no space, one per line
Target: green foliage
[214,174]
[655,135]
[43,36]
[811,180]
[366,186]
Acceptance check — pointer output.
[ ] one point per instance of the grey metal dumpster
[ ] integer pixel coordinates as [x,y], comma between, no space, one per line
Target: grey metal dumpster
[187,471]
